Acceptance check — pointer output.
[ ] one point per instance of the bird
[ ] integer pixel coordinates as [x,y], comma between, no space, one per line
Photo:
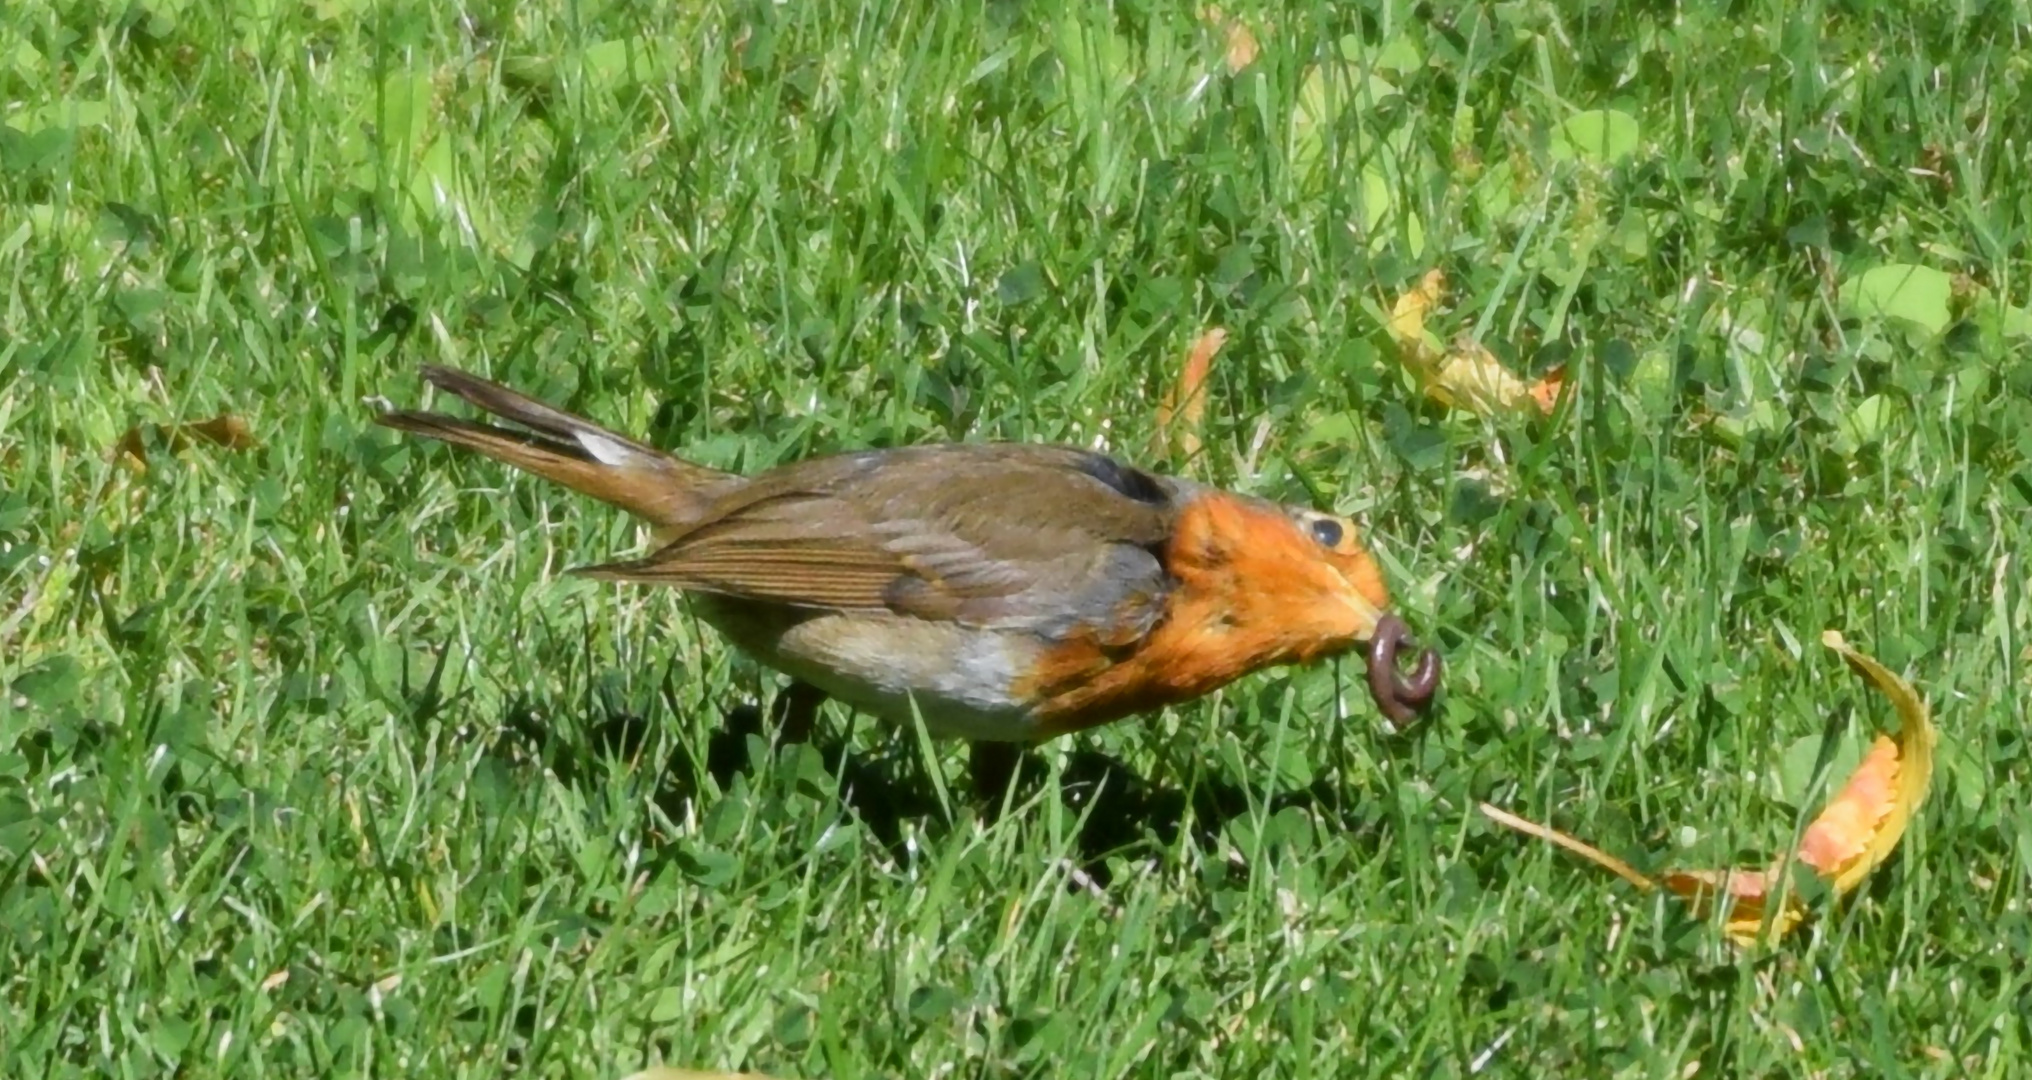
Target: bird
[1003,593]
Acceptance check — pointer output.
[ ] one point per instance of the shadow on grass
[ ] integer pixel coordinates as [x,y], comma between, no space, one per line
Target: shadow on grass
[1120,810]
[1127,812]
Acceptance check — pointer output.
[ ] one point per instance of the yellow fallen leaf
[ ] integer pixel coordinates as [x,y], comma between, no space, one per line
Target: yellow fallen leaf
[1854,833]
[1407,321]
[1182,410]
[1472,378]
[1464,375]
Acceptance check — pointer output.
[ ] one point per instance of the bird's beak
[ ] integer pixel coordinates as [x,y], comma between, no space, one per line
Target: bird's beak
[1364,615]
[1367,618]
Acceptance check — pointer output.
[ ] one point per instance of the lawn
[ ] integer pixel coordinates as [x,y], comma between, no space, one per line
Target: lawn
[314,763]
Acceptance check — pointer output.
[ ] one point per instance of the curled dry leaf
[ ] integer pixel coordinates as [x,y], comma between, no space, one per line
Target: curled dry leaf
[1861,827]
[227,430]
[1854,834]
[1464,374]
[1182,410]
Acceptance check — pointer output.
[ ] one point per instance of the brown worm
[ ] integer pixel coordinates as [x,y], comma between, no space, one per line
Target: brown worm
[1399,699]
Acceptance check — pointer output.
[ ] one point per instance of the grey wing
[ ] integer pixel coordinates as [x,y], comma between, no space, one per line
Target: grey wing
[1047,539]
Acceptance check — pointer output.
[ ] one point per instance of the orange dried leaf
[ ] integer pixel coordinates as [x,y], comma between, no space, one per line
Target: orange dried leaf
[1182,410]
[1743,893]
[1862,825]
[1739,885]
[1547,391]
[1843,830]
[227,430]
[1241,41]
[1856,832]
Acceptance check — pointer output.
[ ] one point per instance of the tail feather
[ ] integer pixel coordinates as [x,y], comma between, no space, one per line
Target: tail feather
[655,486]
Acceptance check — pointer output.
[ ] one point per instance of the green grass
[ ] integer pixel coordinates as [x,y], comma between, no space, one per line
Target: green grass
[313,764]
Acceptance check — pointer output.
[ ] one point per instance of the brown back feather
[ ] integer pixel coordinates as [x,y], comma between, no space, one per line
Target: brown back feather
[1051,539]
[1004,535]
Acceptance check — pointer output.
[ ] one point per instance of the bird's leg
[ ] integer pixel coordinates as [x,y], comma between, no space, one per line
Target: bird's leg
[993,765]
[796,712]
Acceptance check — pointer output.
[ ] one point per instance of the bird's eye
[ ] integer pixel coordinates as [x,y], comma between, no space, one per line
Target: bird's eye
[1328,532]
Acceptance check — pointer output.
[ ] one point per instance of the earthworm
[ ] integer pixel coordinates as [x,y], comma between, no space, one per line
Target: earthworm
[1400,699]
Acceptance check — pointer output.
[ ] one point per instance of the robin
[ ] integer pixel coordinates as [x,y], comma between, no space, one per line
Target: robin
[1006,593]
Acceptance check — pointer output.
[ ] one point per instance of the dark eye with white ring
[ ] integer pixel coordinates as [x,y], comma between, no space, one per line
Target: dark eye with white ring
[1328,532]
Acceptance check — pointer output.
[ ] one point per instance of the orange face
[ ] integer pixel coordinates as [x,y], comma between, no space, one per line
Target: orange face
[1259,585]
[1291,584]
